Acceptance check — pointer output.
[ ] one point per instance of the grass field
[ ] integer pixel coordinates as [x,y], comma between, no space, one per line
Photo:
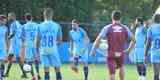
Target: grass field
[96,72]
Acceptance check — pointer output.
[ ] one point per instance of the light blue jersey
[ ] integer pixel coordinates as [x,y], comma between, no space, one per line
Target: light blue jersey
[15,29]
[49,31]
[153,35]
[79,48]
[3,52]
[77,36]
[140,37]
[29,32]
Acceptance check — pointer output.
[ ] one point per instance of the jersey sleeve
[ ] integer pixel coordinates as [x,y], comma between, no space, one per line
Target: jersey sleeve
[104,32]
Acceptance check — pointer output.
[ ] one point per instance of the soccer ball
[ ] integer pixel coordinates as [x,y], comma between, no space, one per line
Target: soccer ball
[27,68]
[103,45]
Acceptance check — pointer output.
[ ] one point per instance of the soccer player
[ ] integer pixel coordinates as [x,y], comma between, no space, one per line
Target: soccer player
[116,35]
[3,42]
[49,36]
[28,36]
[140,39]
[79,47]
[153,41]
[15,43]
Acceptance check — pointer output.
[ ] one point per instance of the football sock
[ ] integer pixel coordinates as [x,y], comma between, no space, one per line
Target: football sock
[58,76]
[86,72]
[46,76]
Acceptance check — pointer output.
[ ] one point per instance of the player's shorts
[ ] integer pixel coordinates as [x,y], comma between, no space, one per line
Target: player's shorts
[77,51]
[137,55]
[155,56]
[83,56]
[115,63]
[3,54]
[30,54]
[51,60]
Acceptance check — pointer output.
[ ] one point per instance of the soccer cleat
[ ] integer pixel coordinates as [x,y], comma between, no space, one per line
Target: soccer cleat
[75,69]
[5,75]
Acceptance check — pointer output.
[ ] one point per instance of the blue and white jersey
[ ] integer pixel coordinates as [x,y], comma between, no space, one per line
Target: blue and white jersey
[3,30]
[78,36]
[29,31]
[153,34]
[15,30]
[140,36]
[49,31]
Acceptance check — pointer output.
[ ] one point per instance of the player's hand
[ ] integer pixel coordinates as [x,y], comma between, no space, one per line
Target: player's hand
[127,51]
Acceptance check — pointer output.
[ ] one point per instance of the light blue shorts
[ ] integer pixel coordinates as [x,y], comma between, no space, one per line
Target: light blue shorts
[155,56]
[137,55]
[51,60]
[30,54]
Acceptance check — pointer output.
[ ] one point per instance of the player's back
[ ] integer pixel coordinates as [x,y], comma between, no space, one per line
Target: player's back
[29,31]
[3,30]
[117,36]
[154,35]
[48,32]
[140,36]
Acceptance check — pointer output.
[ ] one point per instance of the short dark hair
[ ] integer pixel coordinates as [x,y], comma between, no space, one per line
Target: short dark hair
[28,16]
[116,15]
[75,21]
[48,12]
[140,19]
[156,18]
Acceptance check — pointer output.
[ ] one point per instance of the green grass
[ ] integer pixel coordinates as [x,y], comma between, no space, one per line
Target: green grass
[96,72]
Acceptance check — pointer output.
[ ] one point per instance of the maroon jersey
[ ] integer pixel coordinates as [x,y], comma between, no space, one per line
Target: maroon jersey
[117,35]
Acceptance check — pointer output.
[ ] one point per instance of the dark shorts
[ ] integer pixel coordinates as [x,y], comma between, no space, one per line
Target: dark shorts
[115,63]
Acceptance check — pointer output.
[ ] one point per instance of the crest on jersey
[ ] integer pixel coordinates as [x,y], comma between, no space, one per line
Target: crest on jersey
[117,29]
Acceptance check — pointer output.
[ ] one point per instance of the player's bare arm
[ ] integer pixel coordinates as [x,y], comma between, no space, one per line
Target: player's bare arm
[95,45]
[131,45]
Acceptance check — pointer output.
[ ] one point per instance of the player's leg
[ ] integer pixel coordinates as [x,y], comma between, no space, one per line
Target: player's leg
[141,67]
[10,62]
[46,73]
[156,69]
[112,68]
[21,67]
[2,68]
[122,72]
[85,69]
[56,63]
[37,68]
[120,65]
[58,73]
[84,59]
[74,65]
[45,62]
